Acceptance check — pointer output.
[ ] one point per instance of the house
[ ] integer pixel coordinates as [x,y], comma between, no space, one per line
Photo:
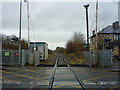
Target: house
[107,38]
[42,47]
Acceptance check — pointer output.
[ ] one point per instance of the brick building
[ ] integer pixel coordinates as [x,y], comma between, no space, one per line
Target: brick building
[107,38]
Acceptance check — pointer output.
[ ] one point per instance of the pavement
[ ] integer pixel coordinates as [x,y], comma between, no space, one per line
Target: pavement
[30,77]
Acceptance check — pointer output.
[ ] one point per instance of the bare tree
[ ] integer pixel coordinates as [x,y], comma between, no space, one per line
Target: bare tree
[76,43]
[11,42]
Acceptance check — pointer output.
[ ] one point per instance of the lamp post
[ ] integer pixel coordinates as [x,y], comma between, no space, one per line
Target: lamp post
[28,26]
[20,32]
[86,7]
[87,26]
[26,1]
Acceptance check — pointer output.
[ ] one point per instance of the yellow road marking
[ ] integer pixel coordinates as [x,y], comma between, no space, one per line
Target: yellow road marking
[6,72]
[105,71]
[58,86]
[74,86]
[97,78]
[30,70]
[34,71]
[112,88]
[49,70]
[61,85]
[85,72]
[11,80]
[45,80]
[25,75]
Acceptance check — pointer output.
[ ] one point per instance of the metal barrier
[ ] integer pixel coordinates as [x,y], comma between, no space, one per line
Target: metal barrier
[0,57]
[11,57]
[87,58]
[99,57]
[6,57]
[105,58]
[24,57]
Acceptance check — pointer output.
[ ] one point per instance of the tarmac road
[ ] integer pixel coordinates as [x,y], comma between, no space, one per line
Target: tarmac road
[39,77]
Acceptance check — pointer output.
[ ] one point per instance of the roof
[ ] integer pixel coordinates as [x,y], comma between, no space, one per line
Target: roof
[38,43]
[110,30]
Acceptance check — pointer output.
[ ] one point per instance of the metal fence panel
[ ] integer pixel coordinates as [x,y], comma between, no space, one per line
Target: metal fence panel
[15,57]
[100,57]
[94,57]
[24,57]
[87,58]
[11,57]
[108,58]
[6,57]
[90,58]
[0,56]
[105,57]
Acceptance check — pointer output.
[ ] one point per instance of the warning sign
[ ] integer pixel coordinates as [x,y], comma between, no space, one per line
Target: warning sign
[7,54]
[16,54]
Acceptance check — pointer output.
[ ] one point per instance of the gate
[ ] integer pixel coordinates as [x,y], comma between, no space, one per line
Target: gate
[105,57]
[99,57]
[11,57]
[6,57]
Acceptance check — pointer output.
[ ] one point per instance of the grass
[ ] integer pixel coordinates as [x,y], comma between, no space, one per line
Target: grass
[73,59]
[116,60]
[50,56]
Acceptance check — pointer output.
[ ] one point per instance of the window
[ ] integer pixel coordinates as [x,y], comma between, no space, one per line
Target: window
[93,39]
[116,37]
[107,36]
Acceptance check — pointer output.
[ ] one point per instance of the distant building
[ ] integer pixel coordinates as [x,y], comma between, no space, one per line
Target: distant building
[108,38]
[119,11]
[42,47]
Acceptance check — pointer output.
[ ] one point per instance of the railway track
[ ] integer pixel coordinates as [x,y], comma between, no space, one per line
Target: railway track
[61,60]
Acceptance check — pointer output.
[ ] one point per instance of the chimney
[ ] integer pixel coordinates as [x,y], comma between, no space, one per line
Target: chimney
[93,32]
[116,25]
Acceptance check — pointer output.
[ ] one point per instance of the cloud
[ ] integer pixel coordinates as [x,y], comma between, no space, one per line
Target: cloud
[63,0]
[0,17]
[108,13]
[58,15]
[10,15]
[55,22]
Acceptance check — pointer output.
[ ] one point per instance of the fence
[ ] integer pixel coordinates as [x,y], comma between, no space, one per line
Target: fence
[11,57]
[0,57]
[100,57]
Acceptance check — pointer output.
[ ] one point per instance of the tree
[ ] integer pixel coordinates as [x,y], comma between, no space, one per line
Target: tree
[76,43]
[60,50]
[50,51]
[11,42]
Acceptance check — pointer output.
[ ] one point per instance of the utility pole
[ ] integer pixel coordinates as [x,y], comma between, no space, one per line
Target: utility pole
[28,26]
[28,15]
[86,7]
[20,24]
[96,24]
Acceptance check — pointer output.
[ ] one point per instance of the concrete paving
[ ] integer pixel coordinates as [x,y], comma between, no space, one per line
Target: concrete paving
[65,79]
[39,77]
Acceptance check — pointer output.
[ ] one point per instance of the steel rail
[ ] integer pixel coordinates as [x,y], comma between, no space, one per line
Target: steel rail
[53,75]
[79,81]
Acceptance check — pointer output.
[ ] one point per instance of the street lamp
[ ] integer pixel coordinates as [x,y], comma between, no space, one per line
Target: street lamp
[26,1]
[86,7]
[20,24]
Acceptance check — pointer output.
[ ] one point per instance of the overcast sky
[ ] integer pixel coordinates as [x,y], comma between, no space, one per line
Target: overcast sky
[55,22]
